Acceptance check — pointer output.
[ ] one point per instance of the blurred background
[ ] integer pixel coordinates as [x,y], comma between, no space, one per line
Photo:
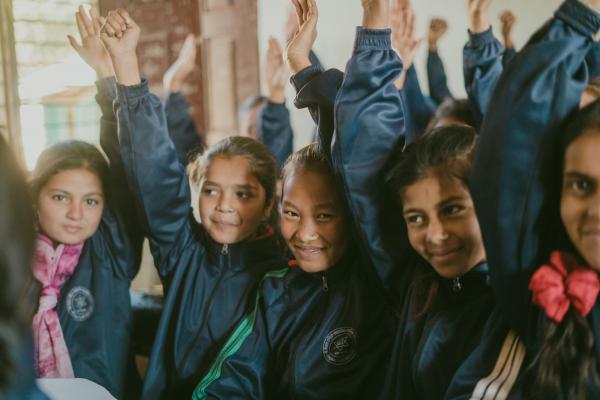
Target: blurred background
[46,90]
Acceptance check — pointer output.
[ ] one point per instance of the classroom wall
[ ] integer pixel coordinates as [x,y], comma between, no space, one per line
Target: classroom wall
[338,19]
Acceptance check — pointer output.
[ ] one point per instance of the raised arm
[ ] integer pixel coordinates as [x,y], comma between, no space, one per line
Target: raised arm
[515,170]
[369,120]
[180,123]
[436,73]
[122,227]
[274,128]
[156,176]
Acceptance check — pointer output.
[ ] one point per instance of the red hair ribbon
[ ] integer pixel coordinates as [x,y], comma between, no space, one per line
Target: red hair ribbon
[562,283]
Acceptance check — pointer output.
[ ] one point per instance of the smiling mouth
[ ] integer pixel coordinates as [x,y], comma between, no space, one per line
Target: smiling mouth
[444,255]
[72,229]
[308,251]
[225,224]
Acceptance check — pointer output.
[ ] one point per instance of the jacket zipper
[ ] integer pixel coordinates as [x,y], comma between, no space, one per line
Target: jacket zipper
[456,285]
[324,284]
[225,264]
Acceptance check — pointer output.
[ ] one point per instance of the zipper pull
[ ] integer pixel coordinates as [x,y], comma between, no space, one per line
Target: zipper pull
[324,283]
[456,285]
[225,249]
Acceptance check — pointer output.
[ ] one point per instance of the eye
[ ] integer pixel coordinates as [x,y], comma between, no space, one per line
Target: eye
[580,186]
[244,195]
[452,209]
[290,214]
[325,217]
[209,192]
[59,197]
[92,202]
[414,219]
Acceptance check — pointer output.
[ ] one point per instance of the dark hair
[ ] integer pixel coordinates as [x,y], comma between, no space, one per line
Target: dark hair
[444,152]
[262,162]
[308,158]
[566,358]
[17,237]
[68,155]
[456,109]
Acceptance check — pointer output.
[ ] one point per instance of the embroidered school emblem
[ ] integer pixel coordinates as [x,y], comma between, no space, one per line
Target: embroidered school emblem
[80,303]
[339,347]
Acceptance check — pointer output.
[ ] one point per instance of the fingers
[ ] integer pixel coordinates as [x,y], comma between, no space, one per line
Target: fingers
[96,20]
[313,10]
[76,46]
[83,34]
[87,22]
[298,9]
[117,23]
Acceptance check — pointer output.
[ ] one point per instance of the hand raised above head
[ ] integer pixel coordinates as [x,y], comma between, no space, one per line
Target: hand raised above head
[120,35]
[437,29]
[478,15]
[276,72]
[299,46]
[182,67]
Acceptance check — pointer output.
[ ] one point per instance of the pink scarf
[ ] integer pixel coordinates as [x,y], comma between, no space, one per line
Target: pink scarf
[52,268]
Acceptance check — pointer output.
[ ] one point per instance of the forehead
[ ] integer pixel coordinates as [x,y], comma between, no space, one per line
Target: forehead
[231,171]
[307,189]
[583,155]
[430,191]
[78,180]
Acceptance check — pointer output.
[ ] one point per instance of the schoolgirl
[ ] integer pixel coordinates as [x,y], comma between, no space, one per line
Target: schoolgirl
[539,205]
[448,335]
[209,270]
[87,250]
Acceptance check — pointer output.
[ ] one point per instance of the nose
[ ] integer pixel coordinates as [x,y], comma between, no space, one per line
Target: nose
[594,206]
[75,211]
[225,203]
[307,231]
[436,231]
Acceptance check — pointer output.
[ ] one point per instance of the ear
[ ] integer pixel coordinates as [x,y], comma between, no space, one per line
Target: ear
[268,209]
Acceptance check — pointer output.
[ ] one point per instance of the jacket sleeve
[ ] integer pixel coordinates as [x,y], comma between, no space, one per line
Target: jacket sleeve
[516,182]
[508,55]
[316,90]
[156,176]
[419,108]
[369,120]
[482,66]
[181,127]
[314,59]
[436,75]
[274,130]
[121,223]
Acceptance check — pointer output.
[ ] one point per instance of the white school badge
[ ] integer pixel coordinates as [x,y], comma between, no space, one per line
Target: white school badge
[339,347]
[80,303]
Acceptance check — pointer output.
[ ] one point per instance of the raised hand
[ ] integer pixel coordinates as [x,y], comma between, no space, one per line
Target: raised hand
[376,13]
[478,15]
[507,19]
[437,28]
[120,35]
[276,72]
[91,49]
[182,67]
[403,34]
[299,46]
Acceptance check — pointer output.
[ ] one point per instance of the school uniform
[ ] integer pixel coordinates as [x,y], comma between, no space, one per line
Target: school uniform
[436,75]
[23,386]
[207,284]
[94,305]
[482,67]
[517,176]
[274,130]
[317,335]
[182,130]
[419,109]
[444,352]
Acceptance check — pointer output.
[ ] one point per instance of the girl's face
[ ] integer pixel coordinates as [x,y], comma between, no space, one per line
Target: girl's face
[70,206]
[232,200]
[580,200]
[442,225]
[312,220]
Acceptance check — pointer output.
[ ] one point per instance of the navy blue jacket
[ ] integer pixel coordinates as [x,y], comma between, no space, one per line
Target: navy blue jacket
[181,127]
[94,306]
[320,335]
[482,67]
[274,130]
[517,167]
[419,109]
[24,387]
[446,351]
[436,75]
[206,284]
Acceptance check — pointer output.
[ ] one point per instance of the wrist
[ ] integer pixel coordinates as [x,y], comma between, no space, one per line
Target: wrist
[298,65]
[375,16]
[126,69]
[277,96]
[508,43]
[479,24]
[105,70]
[433,46]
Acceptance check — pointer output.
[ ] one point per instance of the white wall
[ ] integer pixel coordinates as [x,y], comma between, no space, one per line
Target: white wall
[338,19]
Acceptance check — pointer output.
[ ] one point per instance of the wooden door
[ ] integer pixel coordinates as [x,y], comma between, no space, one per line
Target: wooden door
[227,59]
